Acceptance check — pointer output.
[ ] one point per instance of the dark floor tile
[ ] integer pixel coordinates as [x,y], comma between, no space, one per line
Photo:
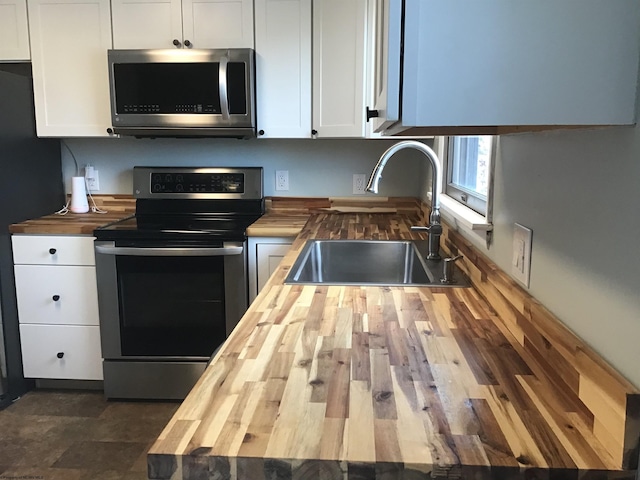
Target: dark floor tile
[140,465]
[29,427]
[55,403]
[114,475]
[44,474]
[102,456]
[160,411]
[31,453]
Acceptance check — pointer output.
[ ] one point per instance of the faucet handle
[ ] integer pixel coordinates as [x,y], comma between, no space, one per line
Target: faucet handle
[447,270]
[434,228]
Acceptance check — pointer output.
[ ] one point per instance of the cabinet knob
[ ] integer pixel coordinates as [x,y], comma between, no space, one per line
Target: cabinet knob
[314,132]
[110,131]
[60,354]
[260,132]
[176,42]
[55,298]
[187,44]
[372,114]
[52,251]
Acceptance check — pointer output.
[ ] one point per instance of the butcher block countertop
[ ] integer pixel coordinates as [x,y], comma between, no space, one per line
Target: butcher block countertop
[277,225]
[116,206]
[335,382]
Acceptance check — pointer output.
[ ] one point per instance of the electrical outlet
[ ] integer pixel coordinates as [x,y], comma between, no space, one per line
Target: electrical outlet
[521,261]
[282,179]
[92,179]
[359,183]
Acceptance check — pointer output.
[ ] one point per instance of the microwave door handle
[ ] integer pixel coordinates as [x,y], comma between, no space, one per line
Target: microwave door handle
[222,86]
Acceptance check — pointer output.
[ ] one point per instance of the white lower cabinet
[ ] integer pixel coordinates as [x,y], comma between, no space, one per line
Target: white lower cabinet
[57,295]
[61,351]
[265,254]
[57,298]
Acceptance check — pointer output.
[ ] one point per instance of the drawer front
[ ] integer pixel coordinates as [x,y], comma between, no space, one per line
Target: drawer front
[57,295]
[53,250]
[78,347]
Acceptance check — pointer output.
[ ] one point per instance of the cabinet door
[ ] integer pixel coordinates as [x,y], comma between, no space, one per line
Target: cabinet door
[269,257]
[146,23]
[53,249]
[63,352]
[283,68]
[60,295]
[520,63]
[218,23]
[339,39]
[14,32]
[69,43]
[387,25]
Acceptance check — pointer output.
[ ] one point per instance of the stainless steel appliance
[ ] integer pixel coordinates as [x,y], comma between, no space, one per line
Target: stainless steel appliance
[172,280]
[183,92]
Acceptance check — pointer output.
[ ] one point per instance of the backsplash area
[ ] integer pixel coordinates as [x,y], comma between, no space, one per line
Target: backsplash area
[316,167]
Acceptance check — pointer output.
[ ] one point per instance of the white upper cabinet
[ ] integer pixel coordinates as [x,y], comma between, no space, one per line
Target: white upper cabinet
[14,31]
[526,63]
[182,24]
[339,54]
[283,68]
[69,40]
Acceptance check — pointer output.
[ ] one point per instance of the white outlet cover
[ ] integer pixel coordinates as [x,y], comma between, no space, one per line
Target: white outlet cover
[359,183]
[282,180]
[521,259]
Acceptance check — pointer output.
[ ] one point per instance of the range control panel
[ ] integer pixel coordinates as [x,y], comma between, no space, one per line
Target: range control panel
[170,182]
[198,183]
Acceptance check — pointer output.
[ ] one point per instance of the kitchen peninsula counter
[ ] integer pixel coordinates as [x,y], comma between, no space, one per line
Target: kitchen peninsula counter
[335,382]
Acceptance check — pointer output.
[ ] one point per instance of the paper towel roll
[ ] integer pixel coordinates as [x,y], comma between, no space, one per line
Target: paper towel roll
[79,202]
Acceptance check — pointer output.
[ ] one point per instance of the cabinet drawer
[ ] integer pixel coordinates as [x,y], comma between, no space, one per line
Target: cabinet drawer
[79,347]
[53,250]
[60,295]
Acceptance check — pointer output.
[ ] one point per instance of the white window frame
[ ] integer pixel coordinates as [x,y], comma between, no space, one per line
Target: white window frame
[456,212]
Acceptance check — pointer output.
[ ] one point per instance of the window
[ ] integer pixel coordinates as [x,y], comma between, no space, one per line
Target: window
[468,171]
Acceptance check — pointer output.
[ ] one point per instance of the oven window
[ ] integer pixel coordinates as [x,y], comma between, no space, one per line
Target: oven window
[171,305]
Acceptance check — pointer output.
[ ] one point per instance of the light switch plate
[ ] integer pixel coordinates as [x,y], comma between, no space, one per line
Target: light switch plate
[521,259]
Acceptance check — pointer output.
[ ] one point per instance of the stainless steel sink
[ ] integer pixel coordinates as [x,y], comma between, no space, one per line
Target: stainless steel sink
[363,262]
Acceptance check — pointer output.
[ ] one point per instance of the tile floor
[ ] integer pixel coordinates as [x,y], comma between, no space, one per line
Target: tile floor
[78,435]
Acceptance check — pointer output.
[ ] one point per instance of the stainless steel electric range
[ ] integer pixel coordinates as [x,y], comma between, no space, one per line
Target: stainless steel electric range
[172,280]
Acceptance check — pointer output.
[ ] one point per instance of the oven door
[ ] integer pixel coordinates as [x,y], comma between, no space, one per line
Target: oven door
[169,303]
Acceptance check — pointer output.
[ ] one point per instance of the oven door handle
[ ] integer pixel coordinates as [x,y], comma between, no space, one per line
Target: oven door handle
[226,250]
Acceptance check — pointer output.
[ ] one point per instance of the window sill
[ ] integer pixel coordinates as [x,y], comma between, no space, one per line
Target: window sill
[462,216]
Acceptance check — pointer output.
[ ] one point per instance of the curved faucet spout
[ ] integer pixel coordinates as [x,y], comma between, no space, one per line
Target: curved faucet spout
[434,228]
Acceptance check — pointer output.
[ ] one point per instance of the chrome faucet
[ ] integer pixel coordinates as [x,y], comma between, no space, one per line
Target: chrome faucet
[434,228]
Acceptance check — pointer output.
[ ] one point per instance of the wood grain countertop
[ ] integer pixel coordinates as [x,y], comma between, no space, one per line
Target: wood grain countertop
[277,225]
[334,382]
[116,206]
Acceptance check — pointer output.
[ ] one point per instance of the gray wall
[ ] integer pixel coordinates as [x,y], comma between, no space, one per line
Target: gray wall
[579,191]
[316,167]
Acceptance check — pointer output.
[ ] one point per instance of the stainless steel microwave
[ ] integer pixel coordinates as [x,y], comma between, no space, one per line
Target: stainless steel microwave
[193,93]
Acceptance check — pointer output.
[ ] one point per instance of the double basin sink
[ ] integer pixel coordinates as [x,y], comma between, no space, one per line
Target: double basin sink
[368,262]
